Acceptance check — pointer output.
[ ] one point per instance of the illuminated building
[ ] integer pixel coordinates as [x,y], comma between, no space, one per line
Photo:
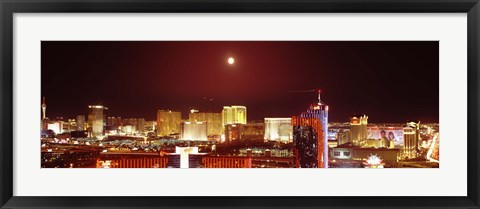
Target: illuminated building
[318,111]
[350,152]
[308,142]
[151,126]
[278,129]
[140,125]
[343,137]
[213,120]
[358,129]
[433,153]
[128,129]
[227,162]
[78,158]
[234,115]
[242,133]
[70,125]
[44,124]
[168,122]
[389,136]
[332,143]
[44,109]
[191,159]
[96,119]
[416,127]
[136,161]
[56,127]
[410,144]
[118,122]
[193,131]
[115,121]
[185,157]
[80,122]
[111,121]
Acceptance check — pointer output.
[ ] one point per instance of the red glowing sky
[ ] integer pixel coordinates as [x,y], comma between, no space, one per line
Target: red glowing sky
[389,81]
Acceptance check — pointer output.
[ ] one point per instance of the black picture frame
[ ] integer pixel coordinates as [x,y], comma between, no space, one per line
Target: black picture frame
[9,7]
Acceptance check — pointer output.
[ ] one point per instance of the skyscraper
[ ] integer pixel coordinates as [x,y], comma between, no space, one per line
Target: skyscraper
[234,115]
[416,126]
[358,129]
[96,119]
[213,120]
[308,140]
[411,137]
[318,111]
[168,122]
[140,125]
[80,122]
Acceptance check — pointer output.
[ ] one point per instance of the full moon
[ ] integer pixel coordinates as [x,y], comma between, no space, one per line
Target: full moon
[231,60]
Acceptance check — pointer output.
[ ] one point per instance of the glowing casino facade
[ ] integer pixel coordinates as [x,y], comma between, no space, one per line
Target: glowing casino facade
[358,129]
[97,115]
[168,122]
[234,115]
[278,129]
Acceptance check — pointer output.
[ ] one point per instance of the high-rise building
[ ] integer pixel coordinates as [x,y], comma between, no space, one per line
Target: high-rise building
[168,122]
[416,126]
[278,129]
[358,129]
[80,122]
[194,131]
[213,120]
[97,115]
[234,115]
[410,144]
[140,125]
[320,111]
[411,137]
[308,140]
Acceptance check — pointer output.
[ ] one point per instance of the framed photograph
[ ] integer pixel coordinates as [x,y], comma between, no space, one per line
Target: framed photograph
[239,104]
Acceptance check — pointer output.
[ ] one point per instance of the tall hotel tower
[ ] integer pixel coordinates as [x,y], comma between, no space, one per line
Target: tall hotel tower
[318,111]
[234,115]
[97,115]
[411,137]
[168,122]
[358,129]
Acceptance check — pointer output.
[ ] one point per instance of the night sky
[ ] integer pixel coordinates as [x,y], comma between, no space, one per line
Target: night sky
[388,81]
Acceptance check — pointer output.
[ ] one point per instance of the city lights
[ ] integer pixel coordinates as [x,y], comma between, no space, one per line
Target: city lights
[303,141]
[180,108]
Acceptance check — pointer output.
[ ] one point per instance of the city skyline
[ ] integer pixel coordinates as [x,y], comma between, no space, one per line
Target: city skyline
[136,79]
[240,104]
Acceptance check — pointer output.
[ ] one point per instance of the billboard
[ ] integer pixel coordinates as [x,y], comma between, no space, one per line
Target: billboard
[391,133]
